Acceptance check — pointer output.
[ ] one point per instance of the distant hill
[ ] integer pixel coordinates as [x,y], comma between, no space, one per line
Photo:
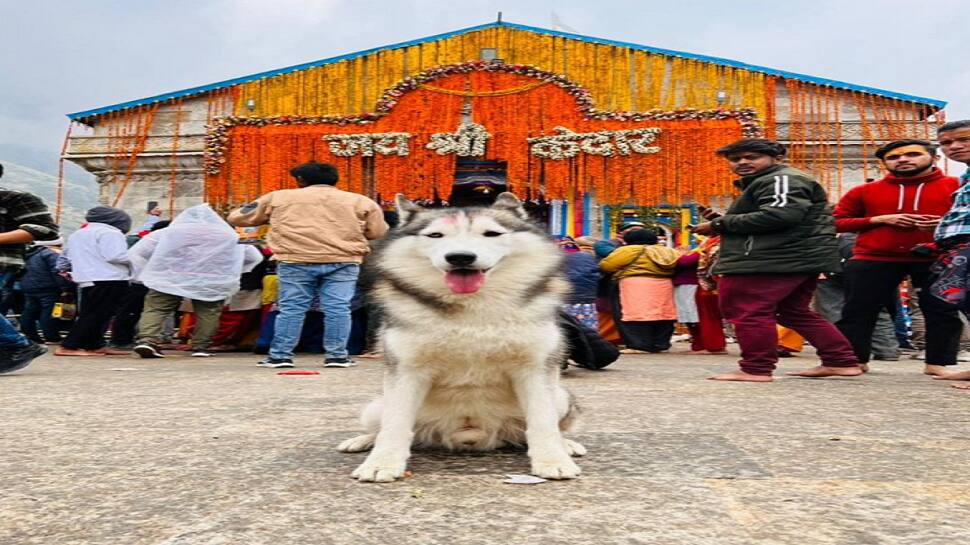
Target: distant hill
[78,197]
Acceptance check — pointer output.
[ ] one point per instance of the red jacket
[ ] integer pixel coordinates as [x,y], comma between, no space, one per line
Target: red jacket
[926,194]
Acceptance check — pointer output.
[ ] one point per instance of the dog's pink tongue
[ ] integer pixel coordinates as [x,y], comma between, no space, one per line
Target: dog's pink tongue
[464,281]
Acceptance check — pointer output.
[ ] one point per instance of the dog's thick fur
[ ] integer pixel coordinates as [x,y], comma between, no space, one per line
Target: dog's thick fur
[468,371]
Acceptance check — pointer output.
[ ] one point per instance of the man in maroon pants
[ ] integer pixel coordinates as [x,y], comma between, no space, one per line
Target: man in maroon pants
[775,240]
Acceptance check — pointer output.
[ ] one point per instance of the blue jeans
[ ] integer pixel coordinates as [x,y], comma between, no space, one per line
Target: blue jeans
[299,282]
[9,338]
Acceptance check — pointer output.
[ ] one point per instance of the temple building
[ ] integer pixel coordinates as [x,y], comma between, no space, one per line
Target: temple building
[587,130]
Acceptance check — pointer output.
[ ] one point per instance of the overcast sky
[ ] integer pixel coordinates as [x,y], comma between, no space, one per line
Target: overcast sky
[61,56]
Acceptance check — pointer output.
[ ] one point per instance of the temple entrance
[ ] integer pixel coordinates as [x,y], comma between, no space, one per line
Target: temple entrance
[478,183]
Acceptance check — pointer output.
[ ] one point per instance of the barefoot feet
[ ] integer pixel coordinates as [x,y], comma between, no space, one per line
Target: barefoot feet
[107,351]
[61,351]
[741,376]
[821,371]
[937,370]
[962,375]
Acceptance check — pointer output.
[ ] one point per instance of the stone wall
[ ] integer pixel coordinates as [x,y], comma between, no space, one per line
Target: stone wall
[158,169]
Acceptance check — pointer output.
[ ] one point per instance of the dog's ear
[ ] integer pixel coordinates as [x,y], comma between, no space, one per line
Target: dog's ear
[508,201]
[405,208]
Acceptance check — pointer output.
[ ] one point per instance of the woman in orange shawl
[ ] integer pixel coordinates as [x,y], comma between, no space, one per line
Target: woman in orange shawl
[643,295]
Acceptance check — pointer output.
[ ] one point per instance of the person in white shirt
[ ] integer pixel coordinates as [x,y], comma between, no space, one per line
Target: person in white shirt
[197,257]
[98,257]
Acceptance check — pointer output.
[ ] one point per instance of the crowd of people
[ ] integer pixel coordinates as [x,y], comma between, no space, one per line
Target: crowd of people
[781,267]
[778,268]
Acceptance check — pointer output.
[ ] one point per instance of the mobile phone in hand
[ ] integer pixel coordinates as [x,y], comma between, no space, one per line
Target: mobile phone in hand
[707,213]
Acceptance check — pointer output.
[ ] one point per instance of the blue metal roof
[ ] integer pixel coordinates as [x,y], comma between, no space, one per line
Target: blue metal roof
[656,50]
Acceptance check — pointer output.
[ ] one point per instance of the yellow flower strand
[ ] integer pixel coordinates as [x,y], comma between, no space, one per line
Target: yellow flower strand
[617,78]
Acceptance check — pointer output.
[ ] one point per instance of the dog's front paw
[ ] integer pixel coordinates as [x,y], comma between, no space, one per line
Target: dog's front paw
[380,469]
[358,444]
[555,469]
[573,448]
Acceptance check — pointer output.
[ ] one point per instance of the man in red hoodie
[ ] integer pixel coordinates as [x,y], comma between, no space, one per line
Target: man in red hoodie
[892,215]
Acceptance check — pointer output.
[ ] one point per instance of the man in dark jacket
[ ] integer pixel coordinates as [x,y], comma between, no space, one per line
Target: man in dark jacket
[775,240]
[23,218]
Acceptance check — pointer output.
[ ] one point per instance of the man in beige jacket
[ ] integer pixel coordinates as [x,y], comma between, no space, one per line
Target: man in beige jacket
[319,234]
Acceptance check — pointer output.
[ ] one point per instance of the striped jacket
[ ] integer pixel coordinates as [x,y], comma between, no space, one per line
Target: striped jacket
[781,224]
[22,210]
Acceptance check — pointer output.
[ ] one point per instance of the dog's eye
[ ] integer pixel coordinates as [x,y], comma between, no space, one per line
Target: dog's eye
[492,234]
[434,235]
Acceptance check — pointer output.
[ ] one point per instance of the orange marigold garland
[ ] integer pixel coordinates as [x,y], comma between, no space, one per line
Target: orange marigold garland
[142,121]
[513,106]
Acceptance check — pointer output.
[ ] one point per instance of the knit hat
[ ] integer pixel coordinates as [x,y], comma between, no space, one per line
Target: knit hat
[641,236]
[586,243]
[114,217]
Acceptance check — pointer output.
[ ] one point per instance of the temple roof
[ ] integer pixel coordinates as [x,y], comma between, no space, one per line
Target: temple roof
[649,49]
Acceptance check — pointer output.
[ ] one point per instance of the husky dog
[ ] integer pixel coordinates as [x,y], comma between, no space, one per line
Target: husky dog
[469,298]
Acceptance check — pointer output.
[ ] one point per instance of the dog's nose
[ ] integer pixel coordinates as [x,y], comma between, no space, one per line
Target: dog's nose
[460,259]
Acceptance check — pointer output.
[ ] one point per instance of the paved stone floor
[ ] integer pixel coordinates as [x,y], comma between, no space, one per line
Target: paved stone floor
[185,451]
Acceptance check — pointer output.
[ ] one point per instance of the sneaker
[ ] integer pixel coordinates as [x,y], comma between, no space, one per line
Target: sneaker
[15,360]
[963,356]
[338,362]
[148,350]
[921,355]
[274,363]
[202,354]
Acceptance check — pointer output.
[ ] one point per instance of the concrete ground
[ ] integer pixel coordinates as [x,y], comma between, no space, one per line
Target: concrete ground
[186,451]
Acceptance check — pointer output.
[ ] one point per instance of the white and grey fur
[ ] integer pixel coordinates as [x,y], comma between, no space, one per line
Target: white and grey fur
[471,371]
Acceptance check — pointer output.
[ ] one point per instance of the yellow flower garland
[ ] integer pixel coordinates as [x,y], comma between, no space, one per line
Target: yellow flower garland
[618,78]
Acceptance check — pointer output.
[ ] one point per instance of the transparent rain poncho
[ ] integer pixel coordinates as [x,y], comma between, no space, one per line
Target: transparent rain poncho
[198,256]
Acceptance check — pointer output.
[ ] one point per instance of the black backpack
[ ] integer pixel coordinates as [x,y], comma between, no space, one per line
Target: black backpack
[586,347]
